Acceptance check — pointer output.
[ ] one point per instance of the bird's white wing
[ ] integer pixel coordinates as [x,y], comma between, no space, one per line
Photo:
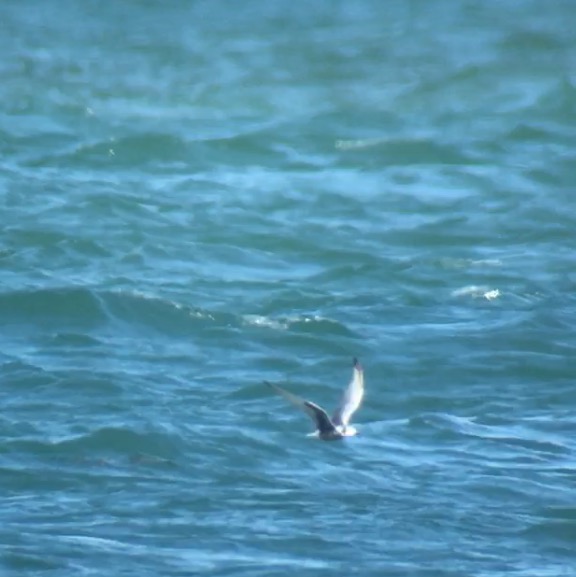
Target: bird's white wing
[352,397]
[316,413]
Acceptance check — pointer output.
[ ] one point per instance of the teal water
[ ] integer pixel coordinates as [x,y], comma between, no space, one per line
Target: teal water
[197,197]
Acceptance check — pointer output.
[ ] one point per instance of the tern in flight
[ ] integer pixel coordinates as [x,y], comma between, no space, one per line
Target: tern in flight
[337,427]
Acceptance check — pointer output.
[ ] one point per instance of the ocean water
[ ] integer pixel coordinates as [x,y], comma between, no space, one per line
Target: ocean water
[197,197]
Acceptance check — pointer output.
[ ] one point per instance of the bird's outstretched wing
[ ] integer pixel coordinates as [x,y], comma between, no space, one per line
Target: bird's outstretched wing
[352,397]
[316,413]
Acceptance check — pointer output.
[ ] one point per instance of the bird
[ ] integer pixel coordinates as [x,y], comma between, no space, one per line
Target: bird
[337,427]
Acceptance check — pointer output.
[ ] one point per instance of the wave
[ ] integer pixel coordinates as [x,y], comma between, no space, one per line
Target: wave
[53,308]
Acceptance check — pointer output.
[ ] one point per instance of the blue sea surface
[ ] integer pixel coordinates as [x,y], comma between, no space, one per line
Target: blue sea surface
[199,197]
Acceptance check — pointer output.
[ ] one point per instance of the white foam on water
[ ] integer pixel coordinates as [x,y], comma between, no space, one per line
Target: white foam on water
[476,292]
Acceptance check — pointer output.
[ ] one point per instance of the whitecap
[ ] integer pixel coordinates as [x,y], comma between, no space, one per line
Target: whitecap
[263,321]
[476,291]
